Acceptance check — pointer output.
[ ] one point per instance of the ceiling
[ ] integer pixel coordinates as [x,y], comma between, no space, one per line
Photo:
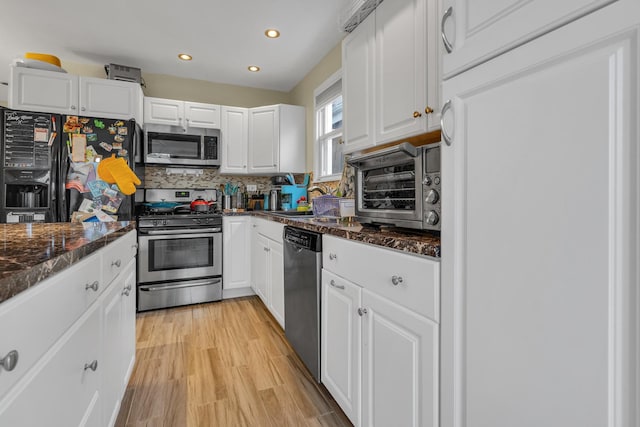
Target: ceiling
[223,36]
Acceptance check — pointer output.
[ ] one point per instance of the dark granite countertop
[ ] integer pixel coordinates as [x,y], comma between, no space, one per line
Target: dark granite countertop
[416,242]
[29,253]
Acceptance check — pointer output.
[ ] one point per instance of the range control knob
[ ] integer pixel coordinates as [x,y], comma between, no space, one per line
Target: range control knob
[432,197]
[436,180]
[197,220]
[155,222]
[432,217]
[427,180]
[164,222]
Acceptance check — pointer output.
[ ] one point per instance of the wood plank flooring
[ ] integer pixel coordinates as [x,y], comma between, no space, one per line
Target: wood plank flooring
[221,364]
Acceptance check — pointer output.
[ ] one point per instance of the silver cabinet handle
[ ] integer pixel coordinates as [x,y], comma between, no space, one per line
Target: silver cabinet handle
[134,246]
[126,290]
[93,366]
[447,44]
[446,107]
[396,280]
[333,283]
[362,311]
[9,362]
[117,263]
[266,249]
[93,286]
[73,107]
[82,109]
[333,256]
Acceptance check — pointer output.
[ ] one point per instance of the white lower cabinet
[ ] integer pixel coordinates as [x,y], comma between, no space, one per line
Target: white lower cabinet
[379,355]
[236,256]
[268,265]
[79,377]
[341,343]
[118,311]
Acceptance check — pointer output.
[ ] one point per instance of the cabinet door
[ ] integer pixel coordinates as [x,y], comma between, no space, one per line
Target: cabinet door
[235,138]
[358,58]
[539,234]
[199,115]
[259,258]
[108,98]
[400,69]
[39,90]
[62,389]
[341,343]
[119,345]
[482,29]
[236,265]
[276,276]
[399,366]
[264,139]
[163,111]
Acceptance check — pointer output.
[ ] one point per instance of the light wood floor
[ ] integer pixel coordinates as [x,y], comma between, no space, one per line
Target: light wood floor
[221,364]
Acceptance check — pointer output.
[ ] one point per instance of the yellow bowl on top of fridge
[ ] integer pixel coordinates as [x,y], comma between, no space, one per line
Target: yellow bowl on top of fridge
[53,60]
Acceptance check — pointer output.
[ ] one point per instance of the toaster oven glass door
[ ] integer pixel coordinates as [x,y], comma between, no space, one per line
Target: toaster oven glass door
[390,187]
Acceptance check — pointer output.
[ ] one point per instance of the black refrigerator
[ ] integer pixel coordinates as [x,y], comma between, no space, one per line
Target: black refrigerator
[48,167]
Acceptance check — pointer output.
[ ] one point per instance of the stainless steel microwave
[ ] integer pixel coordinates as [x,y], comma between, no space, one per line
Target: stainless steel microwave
[174,145]
[399,186]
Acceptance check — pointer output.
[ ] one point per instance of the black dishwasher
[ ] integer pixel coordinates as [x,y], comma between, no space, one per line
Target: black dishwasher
[302,268]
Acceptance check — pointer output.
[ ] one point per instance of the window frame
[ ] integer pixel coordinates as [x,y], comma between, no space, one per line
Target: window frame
[317,153]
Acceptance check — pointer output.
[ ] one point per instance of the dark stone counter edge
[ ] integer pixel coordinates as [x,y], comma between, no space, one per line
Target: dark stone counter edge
[22,280]
[401,240]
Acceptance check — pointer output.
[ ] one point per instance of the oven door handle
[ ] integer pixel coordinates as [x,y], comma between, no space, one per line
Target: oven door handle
[182,231]
[150,288]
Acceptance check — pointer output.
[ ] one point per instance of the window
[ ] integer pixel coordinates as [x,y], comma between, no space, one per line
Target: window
[328,143]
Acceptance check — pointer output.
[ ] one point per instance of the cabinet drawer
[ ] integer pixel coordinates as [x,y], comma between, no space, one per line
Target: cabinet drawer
[271,229]
[408,280]
[117,255]
[31,322]
[60,390]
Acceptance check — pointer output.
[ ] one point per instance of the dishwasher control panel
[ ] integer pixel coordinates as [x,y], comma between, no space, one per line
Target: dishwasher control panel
[303,238]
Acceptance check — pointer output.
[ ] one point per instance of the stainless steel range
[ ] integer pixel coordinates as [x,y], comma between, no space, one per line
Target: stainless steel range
[180,252]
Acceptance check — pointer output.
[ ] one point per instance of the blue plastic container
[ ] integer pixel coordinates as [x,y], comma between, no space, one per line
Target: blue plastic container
[291,194]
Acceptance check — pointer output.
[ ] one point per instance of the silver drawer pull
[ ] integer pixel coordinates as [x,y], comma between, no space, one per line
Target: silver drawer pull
[126,290]
[10,361]
[93,286]
[333,283]
[333,256]
[396,280]
[93,366]
[134,246]
[117,263]
[362,311]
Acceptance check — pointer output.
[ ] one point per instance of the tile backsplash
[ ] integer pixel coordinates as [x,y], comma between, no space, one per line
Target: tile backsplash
[157,177]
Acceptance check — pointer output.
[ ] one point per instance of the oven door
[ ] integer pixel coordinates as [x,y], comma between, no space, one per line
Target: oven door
[389,186]
[179,254]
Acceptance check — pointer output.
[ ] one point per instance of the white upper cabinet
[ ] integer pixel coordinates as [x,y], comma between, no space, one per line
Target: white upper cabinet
[264,134]
[163,111]
[184,114]
[540,232]
[54,92]
[199,115]
[234,129]
[479,30]
[357,85]
[406,69]
[391,74]
[276,139]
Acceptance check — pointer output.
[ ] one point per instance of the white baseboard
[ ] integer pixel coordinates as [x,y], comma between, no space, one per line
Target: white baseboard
[237,292]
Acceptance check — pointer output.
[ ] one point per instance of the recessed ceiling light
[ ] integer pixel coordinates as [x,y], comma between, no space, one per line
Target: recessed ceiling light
[253,68]
[185,57]
[272,34]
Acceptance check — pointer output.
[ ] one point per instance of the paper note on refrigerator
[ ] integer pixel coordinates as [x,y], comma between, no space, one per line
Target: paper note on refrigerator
[78,147]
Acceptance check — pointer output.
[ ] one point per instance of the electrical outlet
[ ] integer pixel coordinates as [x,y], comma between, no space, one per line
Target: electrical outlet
[252,187]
